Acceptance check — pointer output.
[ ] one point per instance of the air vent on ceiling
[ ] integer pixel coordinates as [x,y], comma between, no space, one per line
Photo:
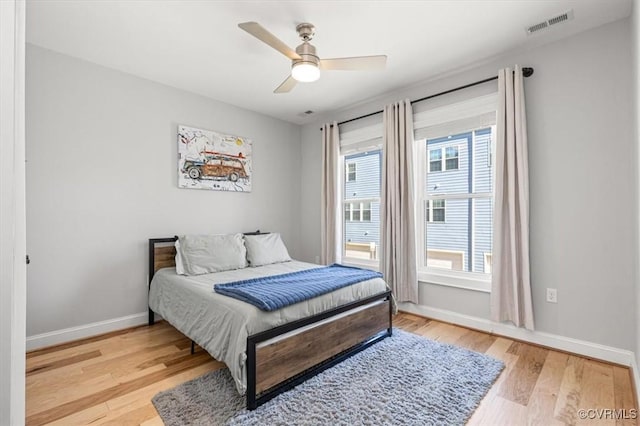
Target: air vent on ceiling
[564,17]
[300,114]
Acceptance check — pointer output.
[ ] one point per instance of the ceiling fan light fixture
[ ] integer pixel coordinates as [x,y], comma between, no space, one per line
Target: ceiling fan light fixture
[305,62]
[305,72]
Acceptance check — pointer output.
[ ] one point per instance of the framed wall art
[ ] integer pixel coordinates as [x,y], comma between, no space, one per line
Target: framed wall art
[212,160]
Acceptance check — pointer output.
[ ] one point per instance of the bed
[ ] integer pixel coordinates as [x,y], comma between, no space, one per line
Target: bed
[267,352]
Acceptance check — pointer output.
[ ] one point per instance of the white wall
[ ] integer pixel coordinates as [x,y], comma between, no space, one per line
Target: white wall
[582,185]
[102,179]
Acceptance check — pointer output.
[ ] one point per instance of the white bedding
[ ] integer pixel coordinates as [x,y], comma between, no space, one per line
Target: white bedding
[221,324]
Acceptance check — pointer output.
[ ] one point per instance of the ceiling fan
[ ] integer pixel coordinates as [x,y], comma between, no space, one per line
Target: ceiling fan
[305,63]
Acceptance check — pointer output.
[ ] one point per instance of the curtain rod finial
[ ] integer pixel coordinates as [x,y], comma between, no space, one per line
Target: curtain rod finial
[527,71]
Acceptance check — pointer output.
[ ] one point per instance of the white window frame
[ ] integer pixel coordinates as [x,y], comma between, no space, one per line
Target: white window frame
[366,146]
[364,137]
[428,124]
[436,119]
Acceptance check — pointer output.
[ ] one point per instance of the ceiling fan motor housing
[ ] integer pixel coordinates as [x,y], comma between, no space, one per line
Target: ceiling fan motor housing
[307,54]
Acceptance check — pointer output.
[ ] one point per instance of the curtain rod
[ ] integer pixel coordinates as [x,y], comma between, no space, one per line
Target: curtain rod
[526,72]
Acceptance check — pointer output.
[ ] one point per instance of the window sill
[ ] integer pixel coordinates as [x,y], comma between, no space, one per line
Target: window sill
[451,279]
[475,282]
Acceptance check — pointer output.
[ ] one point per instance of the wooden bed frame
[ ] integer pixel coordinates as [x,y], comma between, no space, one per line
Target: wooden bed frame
[283,357]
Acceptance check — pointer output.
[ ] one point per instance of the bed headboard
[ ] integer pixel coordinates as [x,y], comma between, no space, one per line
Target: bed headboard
[162,252]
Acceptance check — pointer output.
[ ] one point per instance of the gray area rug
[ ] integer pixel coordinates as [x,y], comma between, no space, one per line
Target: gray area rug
[402,380]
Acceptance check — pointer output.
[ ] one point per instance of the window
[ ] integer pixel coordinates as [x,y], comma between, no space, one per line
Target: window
[357,212]
[456,229]
[361,221]
[435,210]
[454,191]
[435,160]
[451,158]
[449,162]
[351,172]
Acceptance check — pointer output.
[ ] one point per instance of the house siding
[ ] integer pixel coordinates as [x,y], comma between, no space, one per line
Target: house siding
[366,186]
[459,233]
[452,234]
[483,207]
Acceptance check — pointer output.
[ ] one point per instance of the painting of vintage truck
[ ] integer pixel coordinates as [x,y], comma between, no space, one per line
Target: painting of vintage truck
[211,160]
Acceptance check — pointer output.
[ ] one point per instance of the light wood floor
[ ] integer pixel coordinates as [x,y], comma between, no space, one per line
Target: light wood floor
[111,379]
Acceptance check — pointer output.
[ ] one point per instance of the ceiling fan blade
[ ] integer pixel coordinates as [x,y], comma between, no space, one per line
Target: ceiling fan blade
[286,86]
[355,63]
[259,32]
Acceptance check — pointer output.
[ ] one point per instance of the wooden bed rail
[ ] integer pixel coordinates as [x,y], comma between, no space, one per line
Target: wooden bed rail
[277,365]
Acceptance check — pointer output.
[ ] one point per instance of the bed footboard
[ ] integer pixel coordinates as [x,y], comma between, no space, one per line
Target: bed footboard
[283,357]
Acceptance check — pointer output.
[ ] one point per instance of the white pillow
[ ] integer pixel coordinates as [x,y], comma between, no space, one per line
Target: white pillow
[202,254]
[265,249]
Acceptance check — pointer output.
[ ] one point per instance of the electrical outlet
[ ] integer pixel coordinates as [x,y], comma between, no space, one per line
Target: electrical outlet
[318,259]
[552,295]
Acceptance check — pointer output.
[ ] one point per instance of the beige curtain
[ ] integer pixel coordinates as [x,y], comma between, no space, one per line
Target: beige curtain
[510,286]
[330,193]
[397,203]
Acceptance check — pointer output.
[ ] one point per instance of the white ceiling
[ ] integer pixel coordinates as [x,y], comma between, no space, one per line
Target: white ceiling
[197,46]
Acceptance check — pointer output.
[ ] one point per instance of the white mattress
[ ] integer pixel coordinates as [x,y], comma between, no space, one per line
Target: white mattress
[221,324]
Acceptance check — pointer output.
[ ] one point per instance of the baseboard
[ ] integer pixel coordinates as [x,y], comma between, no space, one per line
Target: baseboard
[80,332]
[635,377]
[567,344]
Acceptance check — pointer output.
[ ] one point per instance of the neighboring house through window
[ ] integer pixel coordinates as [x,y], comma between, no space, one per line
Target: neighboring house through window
[361,201]
[453,170]
[456,229]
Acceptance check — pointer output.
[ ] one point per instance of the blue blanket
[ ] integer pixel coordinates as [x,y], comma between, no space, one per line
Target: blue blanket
[277,291]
